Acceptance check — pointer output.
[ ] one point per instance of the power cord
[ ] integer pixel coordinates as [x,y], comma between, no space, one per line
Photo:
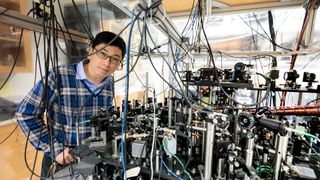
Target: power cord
[8,135]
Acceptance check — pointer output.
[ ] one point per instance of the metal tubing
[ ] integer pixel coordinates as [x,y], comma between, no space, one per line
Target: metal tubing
[220,169]
[114,148]
[209,150]
[280,153]
[197,128]
[77,133]
[170,108]
[249,155]
[189,131]
[298,110]
[203,141]
[315,111]
[147,90]
[157,160]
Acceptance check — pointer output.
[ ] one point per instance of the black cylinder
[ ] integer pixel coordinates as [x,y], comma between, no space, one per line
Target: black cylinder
[272,124]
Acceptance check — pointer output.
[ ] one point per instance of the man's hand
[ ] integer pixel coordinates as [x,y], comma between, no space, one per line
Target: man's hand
[64,157]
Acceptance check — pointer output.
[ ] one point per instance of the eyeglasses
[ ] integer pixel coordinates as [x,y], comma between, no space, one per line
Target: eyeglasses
[103,55]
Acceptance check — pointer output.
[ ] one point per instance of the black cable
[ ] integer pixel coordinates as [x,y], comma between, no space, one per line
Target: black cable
[156,69]
[17,53]
[153,6]
[312,59]
[81,108]
[101,18]
[313,101]
[147,30]
[264,31]
[54,33]
[65,40]
[3,12]
[9,135]
[191,10]
[37,62]
[82,20]
[134,65]
[164,89]
[117,36]
[15,61]
[211,58]
[263,35]
[140,80]
[55,58]
[48,28]
[27,139]
[77,118]
[88,14]
[65,25]
[140,48]
[156,5]
[37,57]
[182,94]
[47,57]
[272,32]
[27,165]
[255,46]
[51,136]
[194,24]
[45,86]
[125,109]
[114,40]
[261,55]
[294,56]
[175,65]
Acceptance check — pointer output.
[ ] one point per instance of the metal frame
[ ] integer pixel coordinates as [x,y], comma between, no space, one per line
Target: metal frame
[247,8]
[160,13]
[18,20]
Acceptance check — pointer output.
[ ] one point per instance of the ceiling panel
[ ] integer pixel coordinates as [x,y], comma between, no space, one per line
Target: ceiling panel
[173,6]
[181,8]
[177,5]
[245,2]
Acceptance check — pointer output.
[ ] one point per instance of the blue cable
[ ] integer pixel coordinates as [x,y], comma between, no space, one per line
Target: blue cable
[186,31]
[168,169]
[85,121]
[313,145]
[126,98]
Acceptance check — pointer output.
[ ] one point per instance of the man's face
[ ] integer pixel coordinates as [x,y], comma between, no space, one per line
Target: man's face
[104,60]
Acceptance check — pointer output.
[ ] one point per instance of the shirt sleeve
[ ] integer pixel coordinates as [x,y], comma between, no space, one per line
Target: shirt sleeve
[30,117]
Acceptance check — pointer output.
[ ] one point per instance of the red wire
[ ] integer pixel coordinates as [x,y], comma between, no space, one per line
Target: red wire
[294,56]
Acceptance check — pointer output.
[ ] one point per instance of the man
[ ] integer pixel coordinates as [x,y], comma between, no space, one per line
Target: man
[72,94]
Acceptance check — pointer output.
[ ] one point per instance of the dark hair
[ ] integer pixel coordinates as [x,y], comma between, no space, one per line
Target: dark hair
[105,37]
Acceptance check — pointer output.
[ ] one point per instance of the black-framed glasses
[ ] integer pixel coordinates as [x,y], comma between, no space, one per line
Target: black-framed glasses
[103,55]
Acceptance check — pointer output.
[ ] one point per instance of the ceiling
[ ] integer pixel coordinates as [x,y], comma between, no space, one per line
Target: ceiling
[181,8]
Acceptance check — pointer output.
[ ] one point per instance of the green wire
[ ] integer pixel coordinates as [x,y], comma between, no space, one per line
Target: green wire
[184,169]
[264,169]
[304,133]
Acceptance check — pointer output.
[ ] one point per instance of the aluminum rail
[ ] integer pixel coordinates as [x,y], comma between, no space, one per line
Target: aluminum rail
[16,19]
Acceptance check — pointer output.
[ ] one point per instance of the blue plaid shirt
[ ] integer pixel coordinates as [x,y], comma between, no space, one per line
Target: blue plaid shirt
[78,102]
